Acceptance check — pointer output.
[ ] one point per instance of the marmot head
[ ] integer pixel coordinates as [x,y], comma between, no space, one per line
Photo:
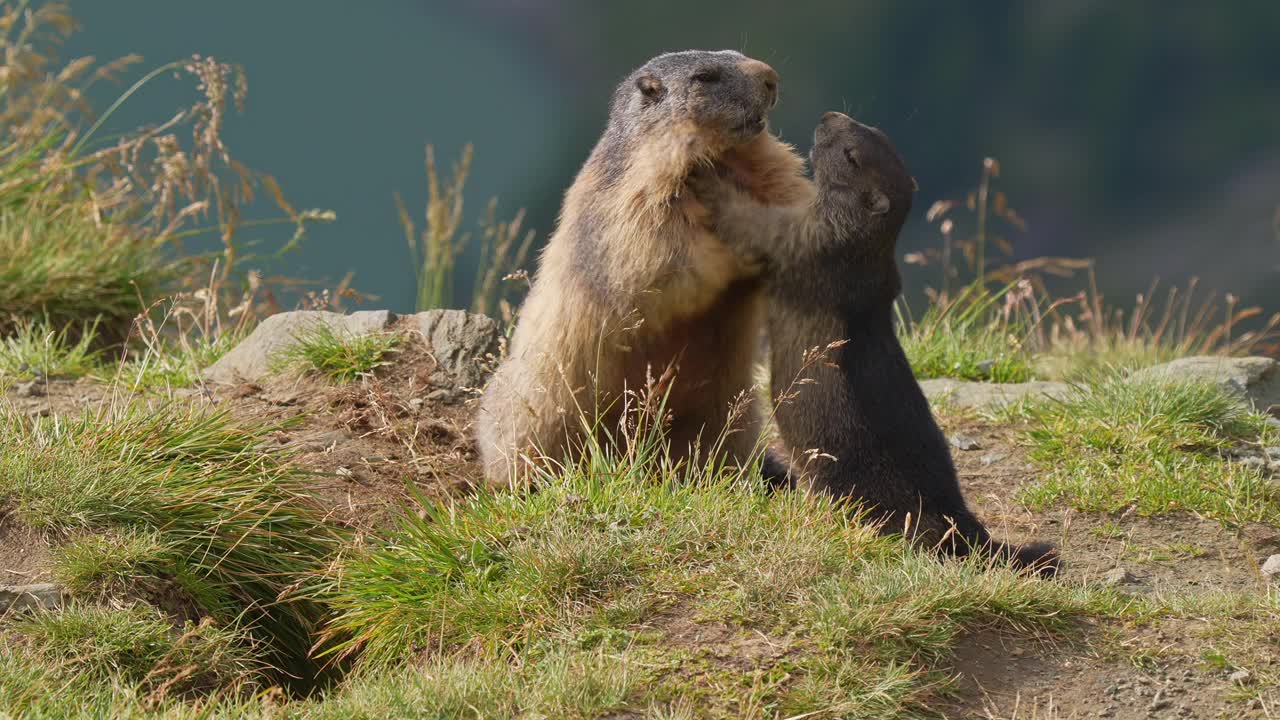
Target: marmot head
[860,174]
[724,97]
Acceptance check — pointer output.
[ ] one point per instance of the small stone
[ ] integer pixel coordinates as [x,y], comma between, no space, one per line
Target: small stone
[1159,703]
[1272,453]
[30,388]
[1271,568]
[1256,462]
[415,405]
[37,595]
[443,395]
[985,366]
[1240,677]
[991,459]
[344,472]
[961,441]
[1118,576]
[283,397]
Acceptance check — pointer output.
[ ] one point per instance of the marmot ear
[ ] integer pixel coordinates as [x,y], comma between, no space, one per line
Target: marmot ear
[877,202]
[651,87]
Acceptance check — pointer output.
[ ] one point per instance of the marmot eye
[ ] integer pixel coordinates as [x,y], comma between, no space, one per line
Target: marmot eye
[709,75]
[848,153]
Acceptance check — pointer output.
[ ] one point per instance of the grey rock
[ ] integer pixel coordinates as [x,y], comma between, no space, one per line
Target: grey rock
[1118,576]
[1272,453]
[1255,380]
[460,342]
[991,459]
[30,388]
[1271,568]
[985,367]
[415,404]
[1240,677]
[250,360]
[960,441]
[22,597]
[986,395]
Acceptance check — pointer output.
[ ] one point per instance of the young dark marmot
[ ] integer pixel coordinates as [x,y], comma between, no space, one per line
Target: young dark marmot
[832,277]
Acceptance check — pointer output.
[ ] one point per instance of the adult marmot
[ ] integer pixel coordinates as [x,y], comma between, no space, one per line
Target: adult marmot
[832,277]
[635,282]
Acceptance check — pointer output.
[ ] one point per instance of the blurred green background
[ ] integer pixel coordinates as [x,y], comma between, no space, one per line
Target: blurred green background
[1144,133]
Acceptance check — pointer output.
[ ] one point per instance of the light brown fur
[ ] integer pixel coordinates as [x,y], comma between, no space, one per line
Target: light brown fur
[655,288]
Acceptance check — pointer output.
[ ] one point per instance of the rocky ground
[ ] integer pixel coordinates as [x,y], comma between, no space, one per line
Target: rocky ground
[408,429]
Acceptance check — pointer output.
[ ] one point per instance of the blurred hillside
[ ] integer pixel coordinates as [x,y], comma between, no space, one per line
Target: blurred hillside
[1144,133]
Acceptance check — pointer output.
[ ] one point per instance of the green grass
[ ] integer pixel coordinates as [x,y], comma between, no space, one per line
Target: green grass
[137,644]
[622,585]
[175,362]
[60,267]
[333,355]
[38,350]
[111,562]
[572,684]
[1103,355]
[618,554]
[1153,445]
[210,513]
[965,339]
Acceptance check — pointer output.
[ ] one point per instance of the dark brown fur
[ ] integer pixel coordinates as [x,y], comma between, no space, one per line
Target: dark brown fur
[832,279]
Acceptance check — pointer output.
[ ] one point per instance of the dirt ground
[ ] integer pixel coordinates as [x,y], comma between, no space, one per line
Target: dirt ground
[369,443]
[1150,671]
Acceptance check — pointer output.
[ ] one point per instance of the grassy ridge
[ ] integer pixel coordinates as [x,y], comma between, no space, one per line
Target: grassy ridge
[624,556]
[205,509]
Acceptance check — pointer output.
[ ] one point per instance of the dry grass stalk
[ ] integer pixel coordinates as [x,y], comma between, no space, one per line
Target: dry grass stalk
[149,188]
[504,246]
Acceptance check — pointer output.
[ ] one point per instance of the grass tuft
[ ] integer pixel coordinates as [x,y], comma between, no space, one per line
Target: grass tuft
[62,267]
[967,339]
[572,684]
[38,350]
[1154,445]
[102,563]
[335,356]
[139,645]
[239,533]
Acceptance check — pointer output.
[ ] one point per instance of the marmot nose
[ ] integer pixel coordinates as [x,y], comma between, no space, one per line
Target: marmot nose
[768,76]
